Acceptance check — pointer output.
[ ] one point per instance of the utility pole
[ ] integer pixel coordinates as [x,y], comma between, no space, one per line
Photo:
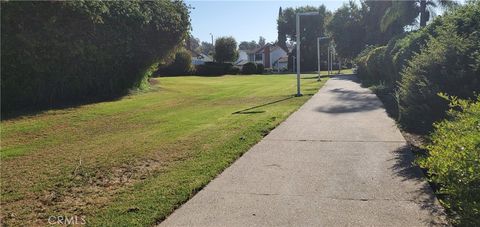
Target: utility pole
[318,55]
[328,59]
[298,46]
[298,54]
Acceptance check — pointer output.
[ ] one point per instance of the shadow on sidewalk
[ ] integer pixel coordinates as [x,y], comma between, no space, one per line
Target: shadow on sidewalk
[351,101]
[407,170]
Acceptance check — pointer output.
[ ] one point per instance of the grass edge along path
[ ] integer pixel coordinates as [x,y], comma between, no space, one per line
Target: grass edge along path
[201,126]
[151,201]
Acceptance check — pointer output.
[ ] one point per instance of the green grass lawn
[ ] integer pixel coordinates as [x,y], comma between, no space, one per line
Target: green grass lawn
[134,160]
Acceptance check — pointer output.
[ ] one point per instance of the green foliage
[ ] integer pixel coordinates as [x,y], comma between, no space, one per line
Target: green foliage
[400,51]
[181,65]
[375,64]
[65,52]
[249,68]
[311,27]
[450,63]
[215,69]
[370,63]
[346,28]
[454,161]
[372,13]
[226,49]
[260,68]
[207,48]
[244,45]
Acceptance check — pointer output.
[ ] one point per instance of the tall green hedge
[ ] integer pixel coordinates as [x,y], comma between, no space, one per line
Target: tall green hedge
[442,57]
[65,52]
[450,63]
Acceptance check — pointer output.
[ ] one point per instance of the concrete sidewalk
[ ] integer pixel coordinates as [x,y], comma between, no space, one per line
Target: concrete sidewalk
[338,160]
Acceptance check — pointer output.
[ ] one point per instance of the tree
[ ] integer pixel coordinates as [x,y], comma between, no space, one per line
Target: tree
[347,30]
[261,41]
[408,10]
[311,27]
[193,43]
[226,49]
[372,12]
[59,53]
[181,65]
[282,36]
[248,45]
[206,48]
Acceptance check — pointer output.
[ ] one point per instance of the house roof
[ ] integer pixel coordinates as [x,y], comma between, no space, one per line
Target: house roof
[241,62]
[283,59]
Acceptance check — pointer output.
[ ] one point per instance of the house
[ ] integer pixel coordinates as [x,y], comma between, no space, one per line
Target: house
[270,55]
[199,58]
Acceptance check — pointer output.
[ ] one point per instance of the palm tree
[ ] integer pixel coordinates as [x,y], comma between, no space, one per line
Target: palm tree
[400,10]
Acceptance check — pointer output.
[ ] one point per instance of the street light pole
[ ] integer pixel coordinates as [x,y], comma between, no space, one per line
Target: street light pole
[298,46]
[328,59]
[318,55]
[298,54]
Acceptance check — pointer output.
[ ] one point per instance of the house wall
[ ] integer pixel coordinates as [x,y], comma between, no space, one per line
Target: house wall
[277,54]
[242,55]
[282,65]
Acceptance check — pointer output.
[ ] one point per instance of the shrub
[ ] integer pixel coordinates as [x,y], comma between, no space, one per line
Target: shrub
[401,50]
[370,65]
[260,68]
[225,49]
[361,63]
[454,161]
[375,64]
[215,69]
[66,52]
[181,65]
[450,63]
[249,68]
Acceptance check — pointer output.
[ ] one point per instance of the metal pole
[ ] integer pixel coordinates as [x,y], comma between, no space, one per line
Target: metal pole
[328,59]
[298,54]
[318,57]
[293,64]
[339,66]
[331,60]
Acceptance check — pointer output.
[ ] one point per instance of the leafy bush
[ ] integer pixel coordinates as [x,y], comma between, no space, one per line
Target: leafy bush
[225,49]
[65,52]
[375,64]
[454,161]
[370,65]
[400,51]
[215,69]
[450,63]
[181,65]
[249,68]
[260,68]
[361,63]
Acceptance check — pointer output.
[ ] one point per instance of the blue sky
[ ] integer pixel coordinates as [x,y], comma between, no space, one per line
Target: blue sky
[244,20]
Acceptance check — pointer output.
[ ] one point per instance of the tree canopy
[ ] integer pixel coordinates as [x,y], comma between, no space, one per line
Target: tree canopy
[65,52]
[226,49]
[347,29]
[311,27]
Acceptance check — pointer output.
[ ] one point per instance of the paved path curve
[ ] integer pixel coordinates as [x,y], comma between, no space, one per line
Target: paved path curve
[338,160]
